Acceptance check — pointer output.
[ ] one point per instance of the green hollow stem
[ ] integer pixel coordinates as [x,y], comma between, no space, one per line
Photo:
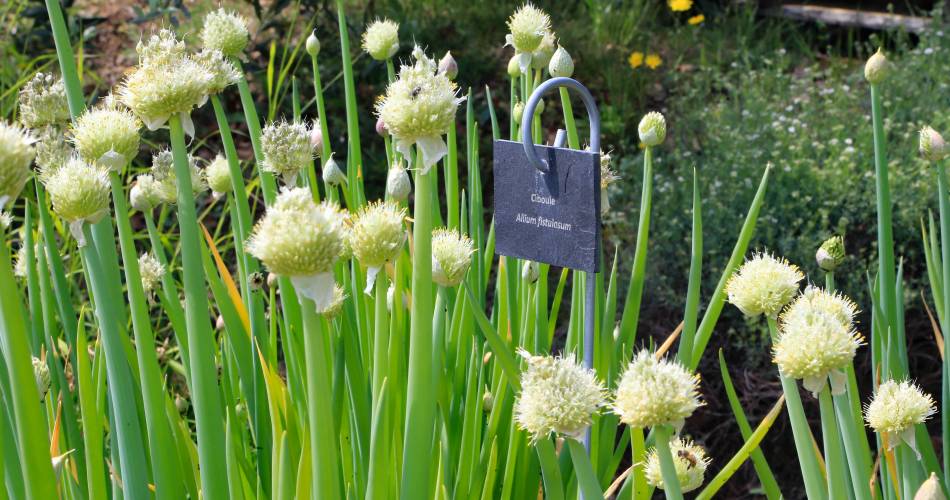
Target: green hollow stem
[631,306]
[38,478]
[856,448]
[832,441]
[944,203]
[638,455]
[167,483]
[323,438]
[550,470]
[91,422]
[206,399]
[321,110]
[452,180]
[381,334]
[268,183]
[690,316]
[586,478]
[671,482]
[420,409]
[66,57]
[127,433]
[573,141]
[811,472]
[354,158]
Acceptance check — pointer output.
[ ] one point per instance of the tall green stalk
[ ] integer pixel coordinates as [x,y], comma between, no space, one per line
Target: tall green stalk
[323,438]
[209,416]
[671,482]
[354,161]
[631,306]
[944,203]
[832,440]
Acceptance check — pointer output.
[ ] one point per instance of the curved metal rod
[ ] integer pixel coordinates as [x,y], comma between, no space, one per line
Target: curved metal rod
[593,115]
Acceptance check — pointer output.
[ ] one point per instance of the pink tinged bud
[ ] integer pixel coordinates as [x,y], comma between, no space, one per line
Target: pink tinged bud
[316,137]
[381,128]
[448,66]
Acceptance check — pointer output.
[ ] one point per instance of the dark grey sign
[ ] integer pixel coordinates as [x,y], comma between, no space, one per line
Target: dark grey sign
[553,216]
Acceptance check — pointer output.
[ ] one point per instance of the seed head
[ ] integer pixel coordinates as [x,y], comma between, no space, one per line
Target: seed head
[151,270]
[528,26]
[877,68]
[42,102]
[763,285]
[378,233]
[313,43]
[448,66]
[689,460]
[79,193]
[831,254]
[223,72]
[225,31]
[16,154]
[932,146]
[381,39]
[398,185]
[561,64]
[897,407]
[652,129]
[287,149]
[104,129]
[451,256]
[218,173]
[817,339]
[558,395]
[41,375]
[418,108]
[655,392]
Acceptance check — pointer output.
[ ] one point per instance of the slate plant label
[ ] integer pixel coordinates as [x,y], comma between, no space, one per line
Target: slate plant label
[551,217]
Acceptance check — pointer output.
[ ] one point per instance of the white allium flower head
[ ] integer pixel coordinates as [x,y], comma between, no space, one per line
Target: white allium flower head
[301,239]
[287,149]
[166,179]
[528,26]
[381,39]
[689,460]
[167,82]
[652,129]
[151,270]
[932,145]
[106,129]
[52,150]
[146,193]
[398,184]
[763,285]
[79,193]
[655,392]
[418,108]
[542,55]
[817,340]
[223,72]
[313,44]
[561,64]
[225,31]
[451,256]
[377,236]
[558,395]
[332,174]
[42,101]
[218,173]
[877,68]
[896,408]
[16,154]
[41,375]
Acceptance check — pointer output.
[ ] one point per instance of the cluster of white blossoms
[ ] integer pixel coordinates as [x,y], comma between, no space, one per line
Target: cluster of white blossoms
[529,26]
[652,129]
[301,239]
[223,72]
[226,32]
[607,177]
[168,81]
[151,271]
[16,155]
[558,396]
[42,101]
[418,108]
[655,392]
[287,149]
[817,340]
[763,285]
[107,135]
[689,460]
[79,193]
[451,256]
[218,174]
[377,236]
[896,408]
[381,39]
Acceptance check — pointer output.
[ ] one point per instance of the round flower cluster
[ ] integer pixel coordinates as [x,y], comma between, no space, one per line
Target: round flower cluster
[652,129]
[763,285]
[218,173]
[79,193]
[377,235]
[287,149]
[689,460]
[896,408]
[106,131]
[655,392]
[163,182]
[16,154]
[381,39]
[52,150]
[831,254]
[817,340]
[223,72]
[529,26]
[151,270]
[451,256]
[558,395]
[418,108]
[932,145]
[42,101]
[225,31]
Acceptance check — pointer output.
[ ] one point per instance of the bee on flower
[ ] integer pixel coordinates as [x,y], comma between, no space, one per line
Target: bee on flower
[690,462]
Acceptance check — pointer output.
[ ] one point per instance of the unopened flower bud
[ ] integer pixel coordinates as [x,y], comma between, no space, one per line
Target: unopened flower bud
[932,145]
[877,68]
[514,70]
[332,175]
[316,137]
[486,358]
[271,280]
[219,323]
[531,271]
[930,490]
[652,129]
[398,185]
[313,44]
[831,254]
[381,128]
[517,112]
[488,402]
[542,56]
[448,66]
[41,375]
[561,64]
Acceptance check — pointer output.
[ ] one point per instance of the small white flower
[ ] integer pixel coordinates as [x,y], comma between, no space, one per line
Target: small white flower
[655,392]
[225,31]
[381,39]
[763,285]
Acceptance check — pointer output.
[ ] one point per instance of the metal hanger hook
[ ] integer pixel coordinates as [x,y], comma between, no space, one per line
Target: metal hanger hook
[593,115]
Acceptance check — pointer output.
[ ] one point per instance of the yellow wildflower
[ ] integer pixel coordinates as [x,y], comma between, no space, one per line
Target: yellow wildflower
[680,5]
[635,60]
[653,61]
[697,19]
